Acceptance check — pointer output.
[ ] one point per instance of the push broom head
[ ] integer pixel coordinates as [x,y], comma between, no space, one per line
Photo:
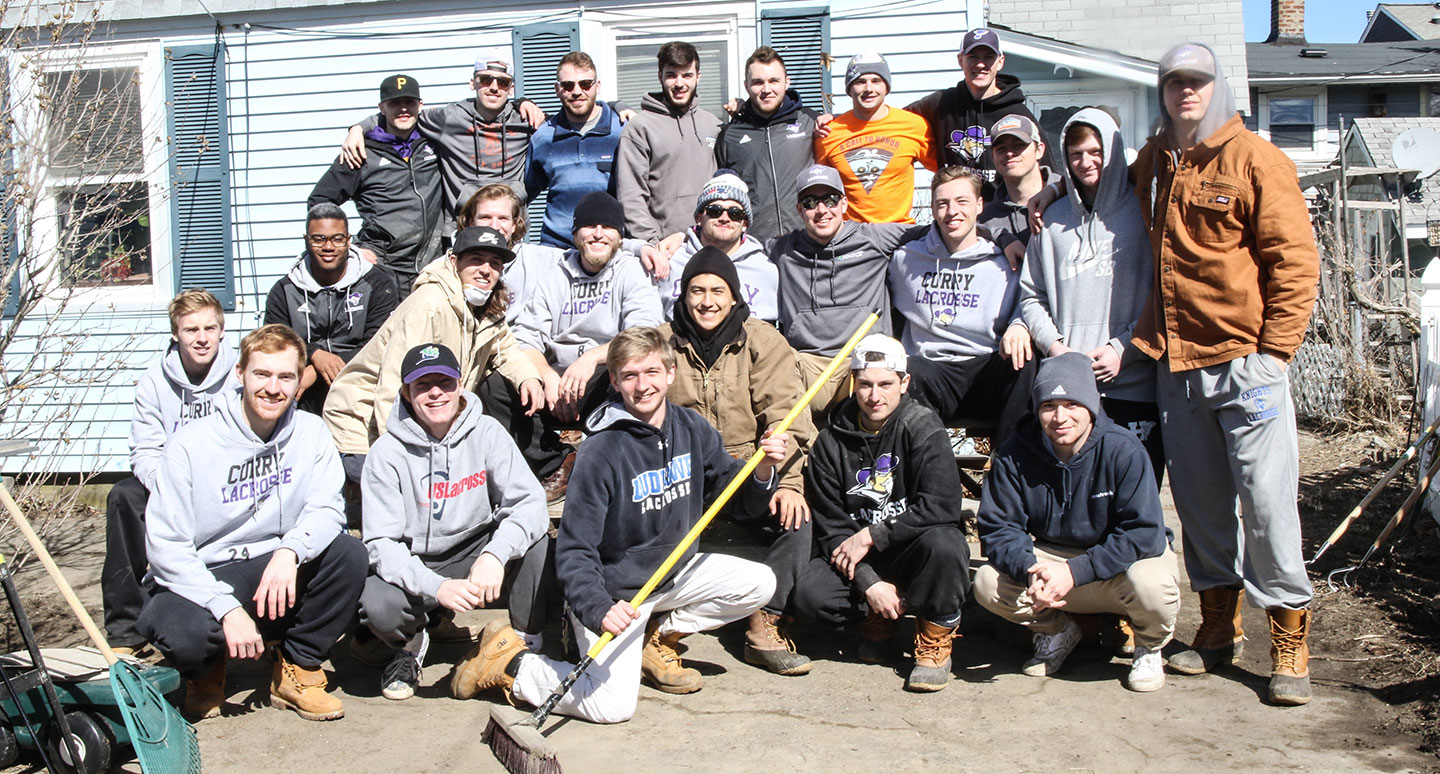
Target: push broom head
[518,744]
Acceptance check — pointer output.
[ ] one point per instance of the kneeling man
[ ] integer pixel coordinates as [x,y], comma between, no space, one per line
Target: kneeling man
[246,539]
[1071,522]
[641,481]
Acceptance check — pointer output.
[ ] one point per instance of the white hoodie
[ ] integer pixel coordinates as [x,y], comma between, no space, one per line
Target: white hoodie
[166,400]
[759,277]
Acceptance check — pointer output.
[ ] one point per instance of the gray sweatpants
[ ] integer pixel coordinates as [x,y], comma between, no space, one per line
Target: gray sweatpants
[1230,435]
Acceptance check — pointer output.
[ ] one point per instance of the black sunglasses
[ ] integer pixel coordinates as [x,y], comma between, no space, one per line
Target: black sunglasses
[584,85]
[812,201]
[485,79]
[715,211]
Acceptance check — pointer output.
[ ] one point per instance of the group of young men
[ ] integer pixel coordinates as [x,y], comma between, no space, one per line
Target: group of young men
[694,279]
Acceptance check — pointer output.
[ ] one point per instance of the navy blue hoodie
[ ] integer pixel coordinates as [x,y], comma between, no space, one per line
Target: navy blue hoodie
[1103,500]
[635,492]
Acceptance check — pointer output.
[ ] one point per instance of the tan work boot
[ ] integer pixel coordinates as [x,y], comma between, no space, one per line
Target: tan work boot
[875,634]
[484,667]
[1289,656]
[1219,640]
[768,648]
[660,662]
[932,657]
[205,694]
[302,689]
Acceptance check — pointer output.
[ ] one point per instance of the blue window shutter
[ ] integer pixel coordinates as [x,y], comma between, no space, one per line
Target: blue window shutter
[802,38]
[539,49]
[199,170]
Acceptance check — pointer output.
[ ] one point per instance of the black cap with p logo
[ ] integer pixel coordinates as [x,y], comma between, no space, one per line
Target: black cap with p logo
[398,86]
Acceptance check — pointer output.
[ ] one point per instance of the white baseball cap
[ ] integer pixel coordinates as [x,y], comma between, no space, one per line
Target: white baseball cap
[879,351]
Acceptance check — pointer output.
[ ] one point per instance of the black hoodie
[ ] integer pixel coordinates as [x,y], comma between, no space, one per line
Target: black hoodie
[960,124]
[899,482]
[769,154]
[635,492]
[1103,500]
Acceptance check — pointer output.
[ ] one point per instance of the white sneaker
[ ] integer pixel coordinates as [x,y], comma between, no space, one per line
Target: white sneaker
[1147,670]
[403,674]
[1051,650]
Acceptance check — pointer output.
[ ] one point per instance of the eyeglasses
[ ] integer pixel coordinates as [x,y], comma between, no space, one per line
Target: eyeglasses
[320,240]
[485,79]
[829,200]
[713,211]
[585,85]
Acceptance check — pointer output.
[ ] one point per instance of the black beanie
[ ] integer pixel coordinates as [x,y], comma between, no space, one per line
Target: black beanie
[598,208]
[1069,376]
[711,260]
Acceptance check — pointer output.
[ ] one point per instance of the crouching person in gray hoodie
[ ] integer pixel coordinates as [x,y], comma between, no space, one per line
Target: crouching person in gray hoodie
[450,506]
[246,539]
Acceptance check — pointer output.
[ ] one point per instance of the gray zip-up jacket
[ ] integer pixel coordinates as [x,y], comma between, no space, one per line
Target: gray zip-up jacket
[424,498]
[166,400]
[224,495]
[663,161]
[826,291]
[1088,272]
[570,310]
[759,279]
[956,305]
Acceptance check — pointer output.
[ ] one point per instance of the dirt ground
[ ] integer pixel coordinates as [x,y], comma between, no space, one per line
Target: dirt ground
[1375,671]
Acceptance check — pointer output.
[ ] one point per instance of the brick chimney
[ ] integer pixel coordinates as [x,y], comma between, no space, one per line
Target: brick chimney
[1287,22]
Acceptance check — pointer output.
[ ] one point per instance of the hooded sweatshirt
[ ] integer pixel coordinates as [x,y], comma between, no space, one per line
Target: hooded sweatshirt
[635,492]
[1103,501]
[899,482]
[826,291]
[166,400]
[769,153]
[571,310]
[1088,272]
[956,306]
[664,159]
[425,498]
[360,400]
[759,279]
[224,495]
[960,124]
[337,318]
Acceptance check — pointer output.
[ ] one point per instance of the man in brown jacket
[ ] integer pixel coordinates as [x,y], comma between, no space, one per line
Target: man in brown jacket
[1235,276]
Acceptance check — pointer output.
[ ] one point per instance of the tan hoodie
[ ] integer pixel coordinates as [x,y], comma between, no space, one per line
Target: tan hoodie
[435,313]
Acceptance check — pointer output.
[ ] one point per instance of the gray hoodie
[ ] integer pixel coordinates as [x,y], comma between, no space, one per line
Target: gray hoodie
[530,261]
[759,279]
[663,161]
[224,495]
[826,291]
[956,305]
[424,498]
[166,400]
[1088,272]
[570,310]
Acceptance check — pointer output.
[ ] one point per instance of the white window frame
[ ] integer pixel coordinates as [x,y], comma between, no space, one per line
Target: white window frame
[1322,146]
[611,33]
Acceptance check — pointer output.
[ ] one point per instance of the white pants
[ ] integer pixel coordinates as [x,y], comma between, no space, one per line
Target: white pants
[709,591]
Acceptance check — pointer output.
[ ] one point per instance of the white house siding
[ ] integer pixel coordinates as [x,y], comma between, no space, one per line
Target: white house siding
[296,79]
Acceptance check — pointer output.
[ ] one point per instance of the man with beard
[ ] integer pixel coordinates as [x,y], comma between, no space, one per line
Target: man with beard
[722,216]
[667,152]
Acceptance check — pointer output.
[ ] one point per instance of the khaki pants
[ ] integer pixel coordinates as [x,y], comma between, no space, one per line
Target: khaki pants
[1148,594]
[838,388]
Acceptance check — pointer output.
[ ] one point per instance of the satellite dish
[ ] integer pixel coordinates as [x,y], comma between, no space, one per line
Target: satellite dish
[1417,149]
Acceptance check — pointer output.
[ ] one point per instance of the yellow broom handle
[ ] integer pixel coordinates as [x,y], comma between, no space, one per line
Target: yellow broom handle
[745,471]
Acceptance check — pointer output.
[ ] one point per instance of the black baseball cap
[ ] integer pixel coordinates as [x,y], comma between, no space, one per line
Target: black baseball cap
[429,359]
[483,238]
[397,86]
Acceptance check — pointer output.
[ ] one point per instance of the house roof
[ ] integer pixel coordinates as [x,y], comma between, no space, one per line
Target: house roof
[1416,60]
[1377,135]
[1414,18]
[1062,53]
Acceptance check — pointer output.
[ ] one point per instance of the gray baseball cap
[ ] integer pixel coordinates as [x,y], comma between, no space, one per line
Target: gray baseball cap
[819,175]
[1189,58]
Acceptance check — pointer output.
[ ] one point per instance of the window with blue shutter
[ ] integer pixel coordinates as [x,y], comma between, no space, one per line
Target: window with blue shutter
[199,170]
[802,38]
[539,49]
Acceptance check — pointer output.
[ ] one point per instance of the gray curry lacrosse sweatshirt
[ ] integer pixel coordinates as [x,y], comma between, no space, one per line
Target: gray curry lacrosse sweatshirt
[166,400]
[956,305]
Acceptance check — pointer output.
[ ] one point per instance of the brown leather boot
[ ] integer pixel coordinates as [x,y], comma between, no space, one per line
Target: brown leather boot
[660,662]
[875,635]
[1219,640]
[1289,657]
[932,657]
[205,694]
[485,666]
[768,648]
[302,689]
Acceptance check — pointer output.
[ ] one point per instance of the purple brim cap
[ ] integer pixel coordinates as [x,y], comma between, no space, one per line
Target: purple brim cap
[431,369]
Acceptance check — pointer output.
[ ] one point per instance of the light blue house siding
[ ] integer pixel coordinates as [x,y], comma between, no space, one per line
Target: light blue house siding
[293,79]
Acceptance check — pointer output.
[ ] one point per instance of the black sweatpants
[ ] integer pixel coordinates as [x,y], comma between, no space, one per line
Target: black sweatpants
[1142,419]
[787,554]
[123,591]
[327,591]
[982,387]
[931,572]
[537,436]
